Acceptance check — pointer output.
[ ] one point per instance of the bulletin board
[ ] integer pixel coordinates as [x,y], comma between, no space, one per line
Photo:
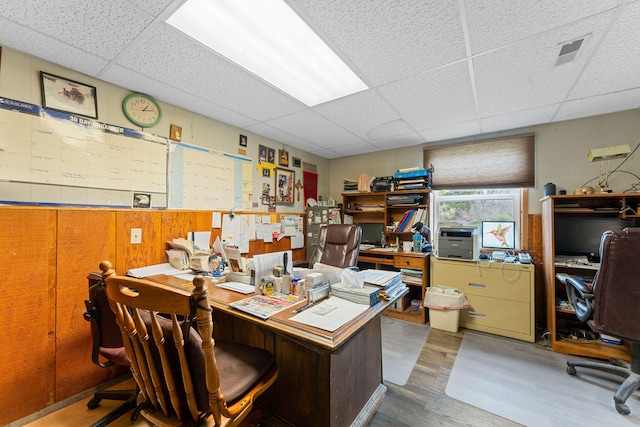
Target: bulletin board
[51,157]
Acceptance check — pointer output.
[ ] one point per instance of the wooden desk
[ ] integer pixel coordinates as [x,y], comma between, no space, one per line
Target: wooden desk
[381,259]
[325,379]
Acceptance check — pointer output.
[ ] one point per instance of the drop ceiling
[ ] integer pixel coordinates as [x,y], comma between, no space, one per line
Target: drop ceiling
[437,69]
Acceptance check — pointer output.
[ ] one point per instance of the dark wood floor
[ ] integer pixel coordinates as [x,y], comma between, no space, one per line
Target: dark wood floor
[421,402]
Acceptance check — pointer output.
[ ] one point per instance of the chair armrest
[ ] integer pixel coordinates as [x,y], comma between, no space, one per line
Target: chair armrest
[585,291]
[581,297]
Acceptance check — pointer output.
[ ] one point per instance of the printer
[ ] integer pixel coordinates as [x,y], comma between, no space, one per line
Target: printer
[458,242]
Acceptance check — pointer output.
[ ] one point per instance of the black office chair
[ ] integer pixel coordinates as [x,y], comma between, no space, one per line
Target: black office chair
[107,349]
[613,300]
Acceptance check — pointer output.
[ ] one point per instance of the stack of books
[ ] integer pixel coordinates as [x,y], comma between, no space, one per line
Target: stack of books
[409,219]
[412,179]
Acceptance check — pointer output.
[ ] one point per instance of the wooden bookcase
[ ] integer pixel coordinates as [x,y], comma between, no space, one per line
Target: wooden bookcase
[559,318]
[372,207]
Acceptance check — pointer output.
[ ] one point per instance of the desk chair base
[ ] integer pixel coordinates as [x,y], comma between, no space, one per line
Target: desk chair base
[630,372]
[129,397]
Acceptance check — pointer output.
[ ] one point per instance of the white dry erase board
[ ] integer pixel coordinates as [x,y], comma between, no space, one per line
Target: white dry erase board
[54,158]
[203,178]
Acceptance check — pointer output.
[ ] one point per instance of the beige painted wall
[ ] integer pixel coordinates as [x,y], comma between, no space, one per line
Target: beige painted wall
[561,148]
[561,156]
[20,80]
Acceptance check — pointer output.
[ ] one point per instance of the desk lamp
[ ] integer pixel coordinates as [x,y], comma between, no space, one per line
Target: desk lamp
[423,230]
[608,154]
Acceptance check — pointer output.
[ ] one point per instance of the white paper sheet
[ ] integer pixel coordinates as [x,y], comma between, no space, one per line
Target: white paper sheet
[330,314]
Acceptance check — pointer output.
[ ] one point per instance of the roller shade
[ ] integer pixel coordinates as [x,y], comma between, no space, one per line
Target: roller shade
[491,163]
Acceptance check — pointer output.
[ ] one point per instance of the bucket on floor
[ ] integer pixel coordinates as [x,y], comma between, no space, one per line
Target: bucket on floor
[444,304]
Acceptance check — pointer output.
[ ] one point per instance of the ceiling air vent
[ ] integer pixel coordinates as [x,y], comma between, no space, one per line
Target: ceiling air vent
[567,52]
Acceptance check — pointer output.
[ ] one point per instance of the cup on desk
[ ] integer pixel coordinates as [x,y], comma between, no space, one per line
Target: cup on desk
[406,246]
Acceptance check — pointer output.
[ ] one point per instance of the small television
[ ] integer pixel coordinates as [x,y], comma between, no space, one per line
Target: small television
[499,234]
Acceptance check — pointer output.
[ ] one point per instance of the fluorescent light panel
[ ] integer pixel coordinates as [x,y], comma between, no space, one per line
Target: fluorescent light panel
[271,41]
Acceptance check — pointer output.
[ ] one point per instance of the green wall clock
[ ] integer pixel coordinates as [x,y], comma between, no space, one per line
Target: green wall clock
[142,110]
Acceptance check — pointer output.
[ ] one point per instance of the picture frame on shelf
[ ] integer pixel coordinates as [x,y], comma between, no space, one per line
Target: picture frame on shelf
[68,96]
[285,187]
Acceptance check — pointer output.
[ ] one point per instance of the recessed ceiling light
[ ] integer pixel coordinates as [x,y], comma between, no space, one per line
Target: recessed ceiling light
[271,41]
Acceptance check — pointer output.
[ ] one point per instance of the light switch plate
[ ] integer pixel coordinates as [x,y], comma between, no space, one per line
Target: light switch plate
[136,236]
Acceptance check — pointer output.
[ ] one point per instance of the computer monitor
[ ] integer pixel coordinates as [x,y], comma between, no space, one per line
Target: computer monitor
[581,236]
[371,232]
[499,234]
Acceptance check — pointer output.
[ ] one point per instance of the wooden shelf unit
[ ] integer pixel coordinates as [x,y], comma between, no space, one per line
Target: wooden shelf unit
[385,214]
[378,212]
[601,205]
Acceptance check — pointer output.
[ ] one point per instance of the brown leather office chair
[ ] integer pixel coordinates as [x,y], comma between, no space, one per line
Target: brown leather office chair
[184,376]
[107,349]
[338,245]
[613,300]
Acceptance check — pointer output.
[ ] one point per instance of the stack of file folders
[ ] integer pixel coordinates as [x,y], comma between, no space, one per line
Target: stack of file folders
[389,282]
[412,179]
[403,199]
[368,295]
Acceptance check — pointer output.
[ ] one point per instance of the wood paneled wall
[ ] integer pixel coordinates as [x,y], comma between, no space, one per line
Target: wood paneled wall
[46,256]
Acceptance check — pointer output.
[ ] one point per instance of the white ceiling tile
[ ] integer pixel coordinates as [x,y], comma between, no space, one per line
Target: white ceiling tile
[619,53]
[354,149]
[450,132]
[603,104]
[435,98]
[312,127]
[399,141]
[388,40]
[101,27]
[280,136]
[327,154]
[518,119]
[361,113]
[523,75]
[497,23]
[42,46]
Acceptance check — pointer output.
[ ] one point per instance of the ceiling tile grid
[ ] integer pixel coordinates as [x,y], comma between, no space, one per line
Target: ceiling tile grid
[438,70]
[435,98]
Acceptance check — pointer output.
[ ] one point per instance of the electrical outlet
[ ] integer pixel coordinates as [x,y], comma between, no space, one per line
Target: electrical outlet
[136,236]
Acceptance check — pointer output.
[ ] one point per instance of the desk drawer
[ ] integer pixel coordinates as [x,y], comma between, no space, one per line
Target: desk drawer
[408,262]
[497,315]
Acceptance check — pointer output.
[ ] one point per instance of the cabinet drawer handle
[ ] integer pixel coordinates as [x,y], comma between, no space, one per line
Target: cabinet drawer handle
[477,285]
[476,314]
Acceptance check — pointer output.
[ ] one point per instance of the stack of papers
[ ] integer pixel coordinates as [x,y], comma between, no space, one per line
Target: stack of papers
[152,270]
[382,278]
[330,314]
[369,295]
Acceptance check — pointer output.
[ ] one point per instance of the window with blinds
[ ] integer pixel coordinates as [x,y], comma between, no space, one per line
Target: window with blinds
[507,162]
